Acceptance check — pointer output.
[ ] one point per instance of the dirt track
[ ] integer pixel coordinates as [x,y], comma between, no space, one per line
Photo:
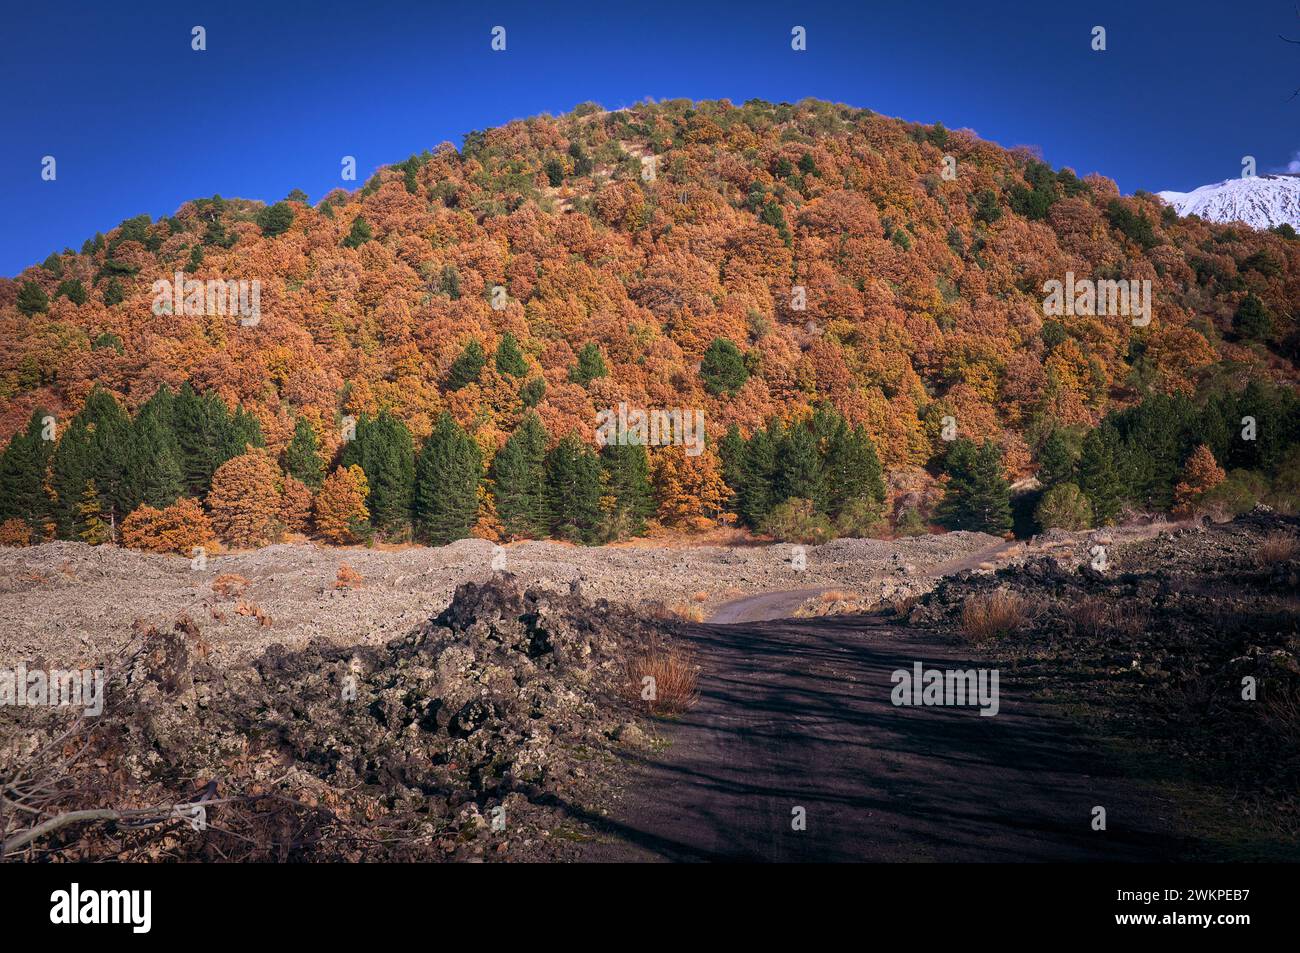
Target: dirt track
[797,713]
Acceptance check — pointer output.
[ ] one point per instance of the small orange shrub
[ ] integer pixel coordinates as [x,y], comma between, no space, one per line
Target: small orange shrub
[347,578]
[176,529]
[14,532]
[229,584]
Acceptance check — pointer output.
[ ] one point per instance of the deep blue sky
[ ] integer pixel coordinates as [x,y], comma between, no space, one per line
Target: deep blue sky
[138,122]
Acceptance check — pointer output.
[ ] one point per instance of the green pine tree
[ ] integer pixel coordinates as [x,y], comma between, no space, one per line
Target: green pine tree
[70,472]
[110,437]
[978,496]
[799,468]
[153,455]
[519,481]
[275,219]
[32,299]
[627,482]
[573,486]
[853,473]
[757,493]
[1056,461]
[591,364]
[447,475]
[384,450]
[302,459]
[23,467]
[509,359]
[723,368]
[465,370]
[359,234]
[731,453]
[1098,478]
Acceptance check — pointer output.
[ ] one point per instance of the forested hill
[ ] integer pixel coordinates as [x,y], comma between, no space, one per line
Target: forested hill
[891,270]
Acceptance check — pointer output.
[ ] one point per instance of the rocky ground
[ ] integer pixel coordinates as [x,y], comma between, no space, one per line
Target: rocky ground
[1155,654]
[489,732]
[67,604]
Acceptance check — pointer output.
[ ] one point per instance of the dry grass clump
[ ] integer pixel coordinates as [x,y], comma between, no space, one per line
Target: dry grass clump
[1097,617]
[1278,547]
[993,616]
[663,679]
[676,612]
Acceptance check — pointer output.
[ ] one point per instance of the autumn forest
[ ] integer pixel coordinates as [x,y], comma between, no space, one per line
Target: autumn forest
[855,303]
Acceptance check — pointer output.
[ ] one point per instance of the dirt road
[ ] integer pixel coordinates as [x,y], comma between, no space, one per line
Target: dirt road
[797,714]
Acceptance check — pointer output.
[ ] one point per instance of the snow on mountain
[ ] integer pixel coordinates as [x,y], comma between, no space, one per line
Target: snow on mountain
[1263,201]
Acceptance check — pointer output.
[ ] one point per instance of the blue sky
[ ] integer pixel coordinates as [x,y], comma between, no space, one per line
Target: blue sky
[139,122]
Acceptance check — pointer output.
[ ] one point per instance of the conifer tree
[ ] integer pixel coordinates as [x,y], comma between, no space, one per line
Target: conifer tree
[757,493]
[799,468]
[110,437]
[978,496]
[509,359]
[519,481]
[302,459]
[723,368]
[359,234]
[384,450]
[153,470]
[447,476]
[1098,478]
[852,471]
[627,483]
[465,370]
[70,472]
[32,299]
[1055,461]
[573,486]
[731,454]
[591,364]
[23,468]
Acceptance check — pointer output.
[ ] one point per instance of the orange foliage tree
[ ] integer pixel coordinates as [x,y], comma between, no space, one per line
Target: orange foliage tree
[341,511]
[245,500]
[178,528]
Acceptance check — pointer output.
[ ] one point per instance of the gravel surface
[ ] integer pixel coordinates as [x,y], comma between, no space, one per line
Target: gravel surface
[69,603]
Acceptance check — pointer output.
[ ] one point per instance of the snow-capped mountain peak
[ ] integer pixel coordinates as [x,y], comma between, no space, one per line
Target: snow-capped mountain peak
[1262,201]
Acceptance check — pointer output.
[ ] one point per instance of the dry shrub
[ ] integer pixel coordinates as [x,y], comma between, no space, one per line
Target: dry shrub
[993,616]
[179,528]
[348,578]
[700,596]
[254,610]
[229,585]
[835,595]
[1278,547]
[674,674]
[15,532]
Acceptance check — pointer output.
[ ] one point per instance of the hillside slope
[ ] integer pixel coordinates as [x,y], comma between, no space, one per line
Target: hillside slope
[650,232]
